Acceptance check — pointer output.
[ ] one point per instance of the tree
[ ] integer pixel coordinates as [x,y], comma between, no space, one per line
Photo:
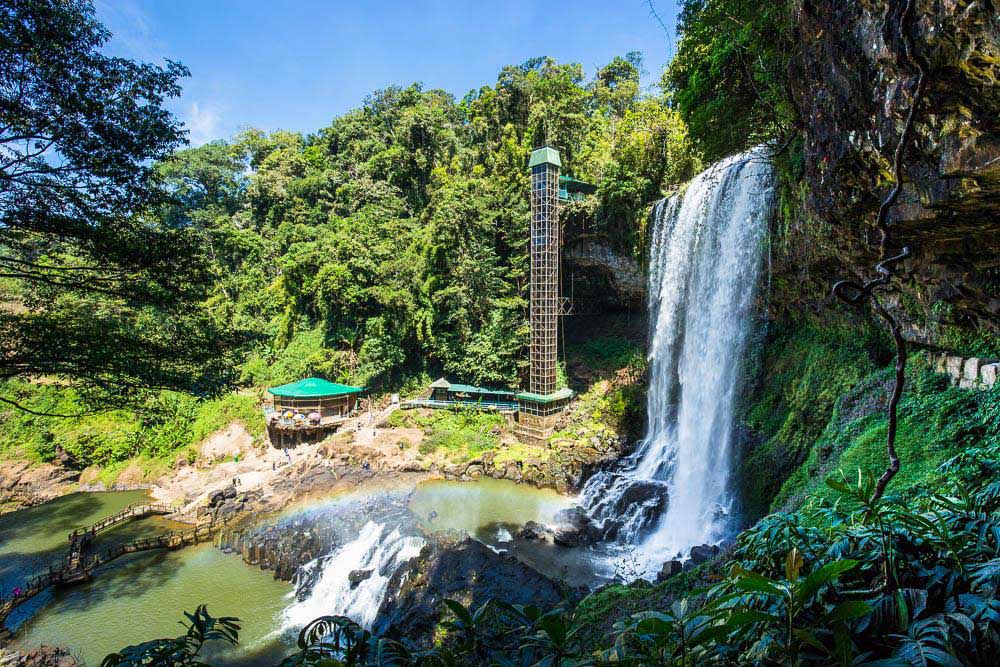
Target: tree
[96,290]
[729,78]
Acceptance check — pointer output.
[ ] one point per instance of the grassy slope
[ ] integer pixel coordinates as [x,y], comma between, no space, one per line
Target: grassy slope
[152,435]
[805,370]
[820,411]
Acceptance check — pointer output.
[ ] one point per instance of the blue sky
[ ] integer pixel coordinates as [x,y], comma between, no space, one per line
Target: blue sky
[290,65]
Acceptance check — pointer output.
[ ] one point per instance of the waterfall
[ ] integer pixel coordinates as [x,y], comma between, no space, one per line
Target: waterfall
[370,560]
[704,265]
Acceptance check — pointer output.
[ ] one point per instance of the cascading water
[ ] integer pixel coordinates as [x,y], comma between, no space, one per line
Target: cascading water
[704,267]
[354,578]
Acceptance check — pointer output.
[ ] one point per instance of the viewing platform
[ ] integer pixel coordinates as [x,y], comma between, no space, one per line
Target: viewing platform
[445,395]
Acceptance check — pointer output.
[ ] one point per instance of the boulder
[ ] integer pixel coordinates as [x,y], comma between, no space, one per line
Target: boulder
[355,577]
[217,498]
[576,528]
[465,570]
[533,531]
[567,536]
[44,656]
[669,569]
[703,552]
[623,500]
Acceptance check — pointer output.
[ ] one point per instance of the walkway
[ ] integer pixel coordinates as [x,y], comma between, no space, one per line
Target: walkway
[80,538]
[79,565]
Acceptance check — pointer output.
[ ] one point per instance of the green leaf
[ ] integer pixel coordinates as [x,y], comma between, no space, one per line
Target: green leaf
[807,637]
[818,578]
[749,616]
[848,610]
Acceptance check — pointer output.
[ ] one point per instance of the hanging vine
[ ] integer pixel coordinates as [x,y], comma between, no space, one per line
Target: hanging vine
[851,292]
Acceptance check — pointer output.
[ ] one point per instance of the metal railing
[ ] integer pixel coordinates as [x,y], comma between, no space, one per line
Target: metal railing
[136,511]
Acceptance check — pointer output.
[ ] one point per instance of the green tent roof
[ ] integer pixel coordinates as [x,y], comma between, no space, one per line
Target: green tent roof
[558,395]
[570,183]
[313,388]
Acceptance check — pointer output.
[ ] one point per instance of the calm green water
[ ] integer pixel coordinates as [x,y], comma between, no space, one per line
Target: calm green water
[135,598]
[483,505]
[33,539]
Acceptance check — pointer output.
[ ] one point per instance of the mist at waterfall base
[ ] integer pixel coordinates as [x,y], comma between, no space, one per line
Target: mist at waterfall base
[379,533]
[674,491]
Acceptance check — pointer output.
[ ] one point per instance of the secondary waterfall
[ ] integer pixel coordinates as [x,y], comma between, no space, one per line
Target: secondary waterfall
[353,579]
[704,266]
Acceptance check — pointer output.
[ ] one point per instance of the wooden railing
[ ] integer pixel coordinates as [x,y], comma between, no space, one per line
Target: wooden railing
[127,514]
[79,567]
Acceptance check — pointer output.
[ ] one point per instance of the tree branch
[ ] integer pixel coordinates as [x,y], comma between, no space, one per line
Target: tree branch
[20,406]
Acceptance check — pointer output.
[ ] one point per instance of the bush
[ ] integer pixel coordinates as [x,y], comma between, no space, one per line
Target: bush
[459,434]
[163,424]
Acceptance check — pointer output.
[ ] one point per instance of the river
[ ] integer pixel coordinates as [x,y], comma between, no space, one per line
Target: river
[142,596]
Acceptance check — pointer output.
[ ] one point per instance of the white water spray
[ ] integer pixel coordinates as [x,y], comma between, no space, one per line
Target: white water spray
[704,267]
[377,550]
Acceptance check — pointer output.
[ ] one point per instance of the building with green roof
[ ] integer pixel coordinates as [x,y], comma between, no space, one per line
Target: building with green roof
[313,388]
[446,394]
[311,404]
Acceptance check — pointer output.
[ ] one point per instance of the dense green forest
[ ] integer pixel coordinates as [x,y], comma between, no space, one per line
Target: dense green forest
[384,247]
[393,241]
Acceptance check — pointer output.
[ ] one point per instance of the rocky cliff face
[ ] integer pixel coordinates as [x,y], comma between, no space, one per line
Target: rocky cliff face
[853,85]
[601,278]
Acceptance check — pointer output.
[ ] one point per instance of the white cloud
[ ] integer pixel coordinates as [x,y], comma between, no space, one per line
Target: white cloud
[202,123]
[132,33]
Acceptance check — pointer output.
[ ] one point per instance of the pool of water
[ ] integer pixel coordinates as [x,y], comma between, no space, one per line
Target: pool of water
[475,507]
[33,539]
[143,596]
[135,598]
[494,511]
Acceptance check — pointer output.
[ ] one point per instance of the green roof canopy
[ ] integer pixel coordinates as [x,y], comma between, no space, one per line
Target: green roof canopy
[544,155]
[558,395]
[313,388]
[570,183]
[469,389]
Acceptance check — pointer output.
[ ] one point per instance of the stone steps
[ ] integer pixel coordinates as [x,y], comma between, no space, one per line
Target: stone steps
[967,372]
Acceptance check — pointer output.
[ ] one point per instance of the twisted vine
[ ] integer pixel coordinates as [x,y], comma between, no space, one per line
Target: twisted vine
[852,293]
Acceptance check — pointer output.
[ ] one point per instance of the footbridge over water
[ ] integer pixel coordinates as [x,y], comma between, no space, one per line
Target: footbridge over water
[80,564]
